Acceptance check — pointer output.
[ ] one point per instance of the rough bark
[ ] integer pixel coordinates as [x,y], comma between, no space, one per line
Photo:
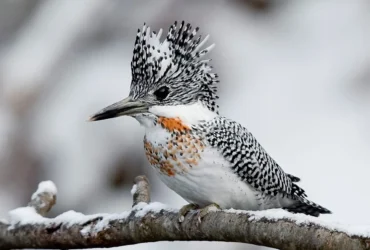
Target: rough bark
[140,226]
[142,192]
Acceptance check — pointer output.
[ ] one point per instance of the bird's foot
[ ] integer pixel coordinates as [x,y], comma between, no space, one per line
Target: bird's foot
[185,210]
[206,210]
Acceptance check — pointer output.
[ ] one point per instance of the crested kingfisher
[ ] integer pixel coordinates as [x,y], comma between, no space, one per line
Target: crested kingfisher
[207,159]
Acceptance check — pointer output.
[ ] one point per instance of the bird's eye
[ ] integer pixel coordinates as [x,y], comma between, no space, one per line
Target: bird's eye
[162,93]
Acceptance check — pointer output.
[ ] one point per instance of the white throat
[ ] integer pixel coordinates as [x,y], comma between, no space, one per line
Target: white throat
[189,114]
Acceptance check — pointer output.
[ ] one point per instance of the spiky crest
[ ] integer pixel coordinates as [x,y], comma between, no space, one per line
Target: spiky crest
[175,62]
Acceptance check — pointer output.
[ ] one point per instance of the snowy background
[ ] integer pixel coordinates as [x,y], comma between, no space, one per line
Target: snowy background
[295,73]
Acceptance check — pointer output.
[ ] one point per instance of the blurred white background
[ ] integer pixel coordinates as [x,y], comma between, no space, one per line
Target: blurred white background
[295,73]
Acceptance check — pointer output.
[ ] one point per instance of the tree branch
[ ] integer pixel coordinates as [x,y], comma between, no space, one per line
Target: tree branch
[155,222]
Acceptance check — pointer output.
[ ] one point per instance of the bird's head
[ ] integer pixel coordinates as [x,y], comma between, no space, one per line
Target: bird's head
[167,76]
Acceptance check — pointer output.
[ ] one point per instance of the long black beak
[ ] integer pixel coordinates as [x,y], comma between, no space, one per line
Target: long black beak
[125,107]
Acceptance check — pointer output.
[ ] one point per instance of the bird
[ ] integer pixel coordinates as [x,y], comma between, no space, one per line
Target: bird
[209,160]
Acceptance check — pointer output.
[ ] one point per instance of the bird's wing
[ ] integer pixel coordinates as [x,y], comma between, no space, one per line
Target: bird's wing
[248,158]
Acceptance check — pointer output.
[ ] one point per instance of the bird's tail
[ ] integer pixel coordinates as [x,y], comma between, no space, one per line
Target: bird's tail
[307,207]
[293,178]
[303,205]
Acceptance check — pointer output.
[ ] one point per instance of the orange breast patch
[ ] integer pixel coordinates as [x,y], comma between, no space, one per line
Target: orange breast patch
[172,124]
[180,152]
[153,155]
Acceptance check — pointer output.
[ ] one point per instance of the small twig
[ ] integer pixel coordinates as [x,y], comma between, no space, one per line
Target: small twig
[44,198]
[141,190]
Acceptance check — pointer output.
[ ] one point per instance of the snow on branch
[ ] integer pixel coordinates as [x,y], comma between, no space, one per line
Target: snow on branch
[150,222]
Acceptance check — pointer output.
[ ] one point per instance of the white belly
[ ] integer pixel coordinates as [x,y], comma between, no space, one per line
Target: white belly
[212,181]
[197,172]
[200,174]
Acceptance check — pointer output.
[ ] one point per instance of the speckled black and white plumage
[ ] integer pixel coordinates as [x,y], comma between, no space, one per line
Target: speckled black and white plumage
[202,156]
[254,165]
[174,62]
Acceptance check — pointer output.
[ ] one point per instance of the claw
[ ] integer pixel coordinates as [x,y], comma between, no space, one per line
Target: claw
[185,210]
[206,210]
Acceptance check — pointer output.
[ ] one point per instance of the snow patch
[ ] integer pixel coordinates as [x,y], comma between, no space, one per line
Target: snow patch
[104,223]
[71,217]
[133,189]
[154,207]
[302,219]
[236,211]
[28,215]
[4,221]
[139,206]
[45,187]
[24,215]
[86,230]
